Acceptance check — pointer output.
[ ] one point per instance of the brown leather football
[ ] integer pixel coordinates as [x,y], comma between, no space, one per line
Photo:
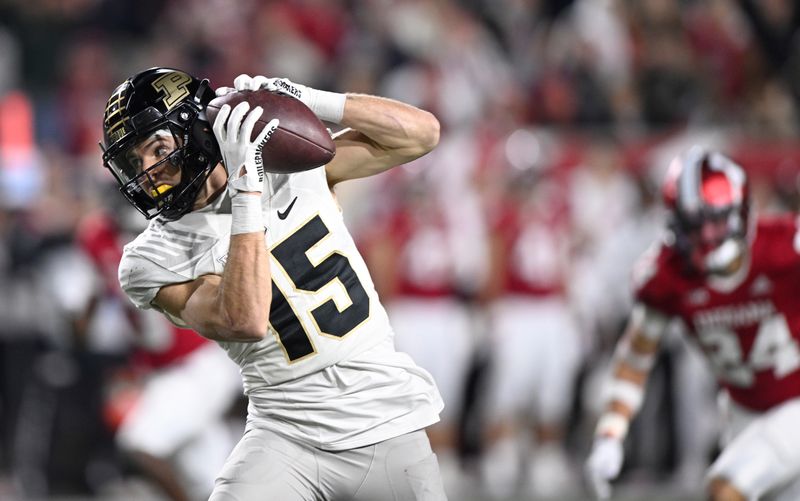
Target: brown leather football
[301,141]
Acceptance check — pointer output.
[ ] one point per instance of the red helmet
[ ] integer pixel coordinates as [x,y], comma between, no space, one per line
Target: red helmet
[707,195]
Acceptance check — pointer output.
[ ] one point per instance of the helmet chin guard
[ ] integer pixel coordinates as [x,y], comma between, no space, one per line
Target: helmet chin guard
[168,100]
[721,260]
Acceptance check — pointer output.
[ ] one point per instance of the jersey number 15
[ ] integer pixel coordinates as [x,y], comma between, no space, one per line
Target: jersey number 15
[309,277]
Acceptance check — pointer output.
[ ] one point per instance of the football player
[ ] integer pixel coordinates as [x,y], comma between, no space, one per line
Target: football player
[732,281]
[263,264]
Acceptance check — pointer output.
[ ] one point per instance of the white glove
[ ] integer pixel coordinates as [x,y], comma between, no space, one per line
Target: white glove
[326,105]
[242,157]
[245,82]
[604,465]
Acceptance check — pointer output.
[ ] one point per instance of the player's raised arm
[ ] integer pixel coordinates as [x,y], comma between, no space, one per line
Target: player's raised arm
[234,306]
[381,132]
[633,359]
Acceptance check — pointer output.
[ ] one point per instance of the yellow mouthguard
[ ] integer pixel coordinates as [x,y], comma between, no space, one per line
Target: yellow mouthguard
[159,190]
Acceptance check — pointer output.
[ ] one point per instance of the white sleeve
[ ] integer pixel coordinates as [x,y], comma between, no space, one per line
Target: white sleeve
[141,279]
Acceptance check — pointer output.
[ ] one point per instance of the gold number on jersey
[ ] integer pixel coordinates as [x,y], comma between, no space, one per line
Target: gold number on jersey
[175,86]
[310,277]
[773,348]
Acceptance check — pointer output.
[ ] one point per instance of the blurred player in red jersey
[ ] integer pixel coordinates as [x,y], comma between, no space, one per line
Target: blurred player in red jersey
[535,343]
[733,282]
[168,406]
[414,254]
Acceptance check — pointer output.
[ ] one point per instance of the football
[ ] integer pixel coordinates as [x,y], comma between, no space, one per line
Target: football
[301,141]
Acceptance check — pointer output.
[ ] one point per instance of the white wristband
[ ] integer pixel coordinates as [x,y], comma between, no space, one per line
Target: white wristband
[246,215]
[612,424]
[328,106]
[626,392]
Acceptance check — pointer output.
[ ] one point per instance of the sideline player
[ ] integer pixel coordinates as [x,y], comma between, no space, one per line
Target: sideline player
[416,251]
[263,264]
[733,281]
[535,342]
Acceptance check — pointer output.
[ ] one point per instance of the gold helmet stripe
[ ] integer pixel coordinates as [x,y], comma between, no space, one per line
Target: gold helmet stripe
[115,109]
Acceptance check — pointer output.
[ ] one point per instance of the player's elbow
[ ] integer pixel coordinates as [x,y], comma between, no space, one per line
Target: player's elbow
[246,328]
[429,130]
[246,334]
[421,136]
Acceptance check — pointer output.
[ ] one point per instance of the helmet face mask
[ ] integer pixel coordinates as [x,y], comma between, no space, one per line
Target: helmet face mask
[717,242]
[150,168]
[708,198]
[156,121]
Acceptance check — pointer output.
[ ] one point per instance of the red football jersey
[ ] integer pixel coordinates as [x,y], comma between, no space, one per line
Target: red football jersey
[425,256]
[536,248]
[750,332]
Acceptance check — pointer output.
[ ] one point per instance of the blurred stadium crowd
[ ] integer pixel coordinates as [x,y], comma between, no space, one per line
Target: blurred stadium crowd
[558,120]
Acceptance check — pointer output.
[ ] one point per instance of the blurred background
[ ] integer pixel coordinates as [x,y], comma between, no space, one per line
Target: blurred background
[503,257]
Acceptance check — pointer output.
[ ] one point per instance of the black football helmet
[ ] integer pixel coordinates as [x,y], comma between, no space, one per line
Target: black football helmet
[708,197]
[160,101]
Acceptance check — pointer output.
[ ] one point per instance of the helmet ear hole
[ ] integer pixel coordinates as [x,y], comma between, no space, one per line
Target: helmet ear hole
[205,139]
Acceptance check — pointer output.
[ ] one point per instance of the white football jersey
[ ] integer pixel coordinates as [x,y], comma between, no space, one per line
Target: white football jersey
[327,325]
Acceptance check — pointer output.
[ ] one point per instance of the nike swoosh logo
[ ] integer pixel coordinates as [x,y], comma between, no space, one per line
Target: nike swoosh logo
[285,213]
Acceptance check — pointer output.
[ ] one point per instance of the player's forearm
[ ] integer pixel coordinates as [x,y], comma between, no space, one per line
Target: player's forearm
[633,360]
[246,290]
[625,390]
[406,130]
